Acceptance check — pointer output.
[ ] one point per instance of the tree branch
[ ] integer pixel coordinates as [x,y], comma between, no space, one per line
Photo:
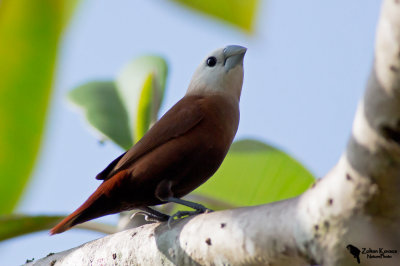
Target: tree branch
[357,202]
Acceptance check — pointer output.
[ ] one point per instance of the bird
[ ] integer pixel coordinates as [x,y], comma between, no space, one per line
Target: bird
[182,150]
[354,251]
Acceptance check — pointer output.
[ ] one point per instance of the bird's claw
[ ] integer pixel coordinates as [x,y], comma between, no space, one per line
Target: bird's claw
[181,214]
[208,211]
[150,217]
[146,216]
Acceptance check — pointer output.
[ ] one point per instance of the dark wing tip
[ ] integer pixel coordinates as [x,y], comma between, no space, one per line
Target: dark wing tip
[105,174]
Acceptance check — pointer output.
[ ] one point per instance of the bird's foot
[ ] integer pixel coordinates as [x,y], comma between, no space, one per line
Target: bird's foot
[152,215]
[182,214]
[189,204]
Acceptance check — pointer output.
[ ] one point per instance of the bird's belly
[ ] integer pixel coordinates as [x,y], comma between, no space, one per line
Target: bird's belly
[199,163]
[187,163]
[199,170]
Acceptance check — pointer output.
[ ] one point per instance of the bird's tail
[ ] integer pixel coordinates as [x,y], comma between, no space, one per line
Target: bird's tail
[66,223]
[97,205]
[82,214]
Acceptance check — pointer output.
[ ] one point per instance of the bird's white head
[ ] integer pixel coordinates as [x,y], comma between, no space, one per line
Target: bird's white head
[220,72]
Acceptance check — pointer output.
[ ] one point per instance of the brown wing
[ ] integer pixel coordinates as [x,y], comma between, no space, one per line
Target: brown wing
[182,117]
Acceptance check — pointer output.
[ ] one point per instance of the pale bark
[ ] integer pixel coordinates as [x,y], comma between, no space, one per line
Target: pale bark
[357,202]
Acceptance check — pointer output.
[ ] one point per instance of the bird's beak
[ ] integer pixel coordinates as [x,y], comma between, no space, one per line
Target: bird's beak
[233,56]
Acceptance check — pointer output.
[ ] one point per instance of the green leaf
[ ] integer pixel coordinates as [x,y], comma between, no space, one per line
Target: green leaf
[240,13]
[16,225]
[141,86]
[29,36]
[124,111]
[144,115]
[103,110]
[255,173]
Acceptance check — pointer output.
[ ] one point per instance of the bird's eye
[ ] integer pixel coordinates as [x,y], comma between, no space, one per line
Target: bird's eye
[211,61]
